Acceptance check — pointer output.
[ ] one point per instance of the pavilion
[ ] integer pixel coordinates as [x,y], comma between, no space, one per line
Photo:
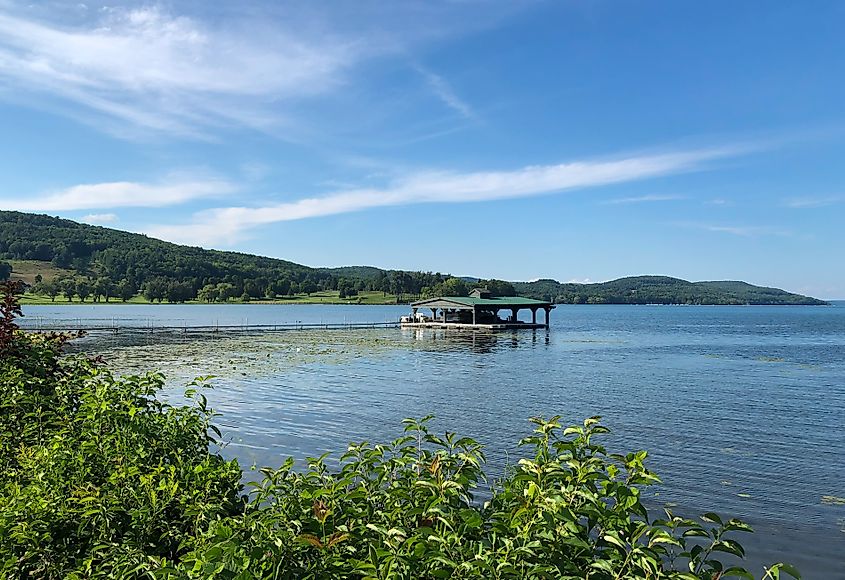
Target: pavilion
[478,310]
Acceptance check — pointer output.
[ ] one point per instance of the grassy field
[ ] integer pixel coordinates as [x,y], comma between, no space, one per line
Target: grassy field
[327,297]
[26,270]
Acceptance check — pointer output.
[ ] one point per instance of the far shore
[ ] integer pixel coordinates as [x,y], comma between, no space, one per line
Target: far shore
[325,298]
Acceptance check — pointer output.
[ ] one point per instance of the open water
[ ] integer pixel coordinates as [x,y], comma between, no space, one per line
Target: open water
[741,408]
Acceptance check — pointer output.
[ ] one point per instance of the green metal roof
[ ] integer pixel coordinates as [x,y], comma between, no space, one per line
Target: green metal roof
[499,301]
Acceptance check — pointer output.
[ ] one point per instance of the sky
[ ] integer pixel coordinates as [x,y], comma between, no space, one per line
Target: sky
[581,141]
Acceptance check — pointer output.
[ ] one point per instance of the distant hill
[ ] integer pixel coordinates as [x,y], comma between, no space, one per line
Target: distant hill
[659,290]
[99,260]
[106,258]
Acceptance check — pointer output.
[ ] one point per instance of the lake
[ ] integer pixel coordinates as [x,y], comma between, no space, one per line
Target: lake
[741,408]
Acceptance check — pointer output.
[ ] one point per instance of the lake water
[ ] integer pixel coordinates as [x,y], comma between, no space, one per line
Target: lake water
[741,408]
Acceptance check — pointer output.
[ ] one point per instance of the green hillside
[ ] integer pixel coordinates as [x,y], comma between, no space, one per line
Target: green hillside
[98,261]
[60,257]
[659,290]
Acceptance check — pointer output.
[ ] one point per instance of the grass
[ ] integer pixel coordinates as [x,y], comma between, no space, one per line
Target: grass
[27,270]
[326,297]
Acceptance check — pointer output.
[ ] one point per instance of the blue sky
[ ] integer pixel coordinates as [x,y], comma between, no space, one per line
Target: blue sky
[572,140]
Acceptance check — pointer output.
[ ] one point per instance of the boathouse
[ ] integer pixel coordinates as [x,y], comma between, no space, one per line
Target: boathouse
[478,310]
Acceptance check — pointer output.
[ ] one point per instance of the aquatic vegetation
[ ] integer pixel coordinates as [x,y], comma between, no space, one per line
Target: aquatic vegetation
[771,359]
[101,479]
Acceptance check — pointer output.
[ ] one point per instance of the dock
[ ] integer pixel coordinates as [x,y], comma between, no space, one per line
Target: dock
[205,328]
[477,326]
[478,311]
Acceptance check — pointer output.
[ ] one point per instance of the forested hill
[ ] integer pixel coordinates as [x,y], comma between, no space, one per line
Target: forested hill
[102,261]
[95,261]
[659,290]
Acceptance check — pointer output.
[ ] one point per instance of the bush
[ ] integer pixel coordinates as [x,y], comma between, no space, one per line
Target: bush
[99,478]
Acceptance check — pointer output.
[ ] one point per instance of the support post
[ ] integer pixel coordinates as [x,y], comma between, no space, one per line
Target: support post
[513,314]
[533,316]
[474,315]
[548,314]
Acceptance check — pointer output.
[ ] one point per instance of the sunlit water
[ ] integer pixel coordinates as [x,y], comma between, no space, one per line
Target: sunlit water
[741,408]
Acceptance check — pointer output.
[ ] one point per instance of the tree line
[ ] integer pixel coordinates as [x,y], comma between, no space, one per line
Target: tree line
[109,264]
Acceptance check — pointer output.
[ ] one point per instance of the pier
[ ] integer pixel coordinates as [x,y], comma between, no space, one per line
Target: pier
[207,328]
[480,310]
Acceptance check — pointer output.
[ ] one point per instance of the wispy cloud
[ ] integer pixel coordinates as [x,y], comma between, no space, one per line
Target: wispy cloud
[642,199]
[226,225]
[169,192]
[444,91]
[810,202]
[744,231]
[99,218]
[170,72]
[191,68]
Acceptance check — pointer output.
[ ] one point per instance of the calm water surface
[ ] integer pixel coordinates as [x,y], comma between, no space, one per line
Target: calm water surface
[741,408]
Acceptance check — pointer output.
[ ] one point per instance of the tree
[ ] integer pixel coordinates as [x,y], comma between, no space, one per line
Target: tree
[5,270]
[208,293]
[83,289]
[126,290]
[499,287]
[225,291]
[309,288]
[281,286]
[155,290]
[51,289]
[179,292]
[103,287]
[454,287]
[67,286]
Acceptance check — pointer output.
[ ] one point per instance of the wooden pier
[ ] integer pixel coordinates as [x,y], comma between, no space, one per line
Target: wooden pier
[470,326]
[208,328]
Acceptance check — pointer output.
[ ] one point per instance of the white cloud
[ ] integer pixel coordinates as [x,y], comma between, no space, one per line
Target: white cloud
[642,199]
[744,231]
[99,218]
[123,194]
[191,68]
[444,91]
[810,202]
[168,72]
[226,225]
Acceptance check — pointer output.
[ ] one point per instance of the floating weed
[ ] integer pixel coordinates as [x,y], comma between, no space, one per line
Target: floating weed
[770,359]
[744,495]
[833,500]
[736,452]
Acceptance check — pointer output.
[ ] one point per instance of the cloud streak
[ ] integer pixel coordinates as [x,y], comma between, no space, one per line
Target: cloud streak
[743,231]
[169,72]
[99,218]
[811,202]
[123,194]
[642,199]
[444,91]
[227,225]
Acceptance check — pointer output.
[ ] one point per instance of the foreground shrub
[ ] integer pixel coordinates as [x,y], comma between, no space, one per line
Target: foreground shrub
[99,478]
